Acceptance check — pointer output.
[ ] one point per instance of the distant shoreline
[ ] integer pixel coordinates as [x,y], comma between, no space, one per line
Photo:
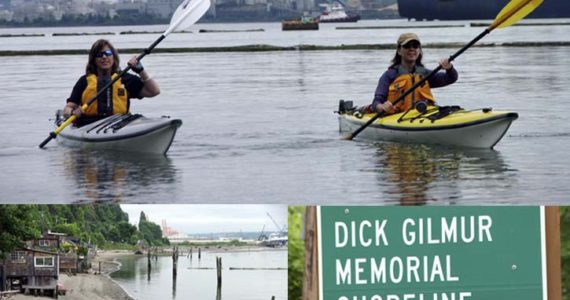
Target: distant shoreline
[221,19]
[266,48]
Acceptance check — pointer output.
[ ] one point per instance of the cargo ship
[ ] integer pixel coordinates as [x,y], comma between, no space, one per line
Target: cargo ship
[474,9]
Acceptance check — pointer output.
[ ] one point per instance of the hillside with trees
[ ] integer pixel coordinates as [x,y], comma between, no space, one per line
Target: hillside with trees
[150,232]
[104,225]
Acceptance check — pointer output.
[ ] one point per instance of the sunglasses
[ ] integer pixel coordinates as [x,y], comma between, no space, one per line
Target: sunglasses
[104,53]
[409,45]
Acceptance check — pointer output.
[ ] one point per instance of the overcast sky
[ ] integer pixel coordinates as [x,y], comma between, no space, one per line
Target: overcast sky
[203,218]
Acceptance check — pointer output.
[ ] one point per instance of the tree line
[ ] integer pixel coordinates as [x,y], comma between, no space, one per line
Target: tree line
[104,225]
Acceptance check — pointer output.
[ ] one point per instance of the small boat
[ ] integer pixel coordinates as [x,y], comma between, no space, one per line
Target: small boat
[122,132]
[335,13]
[446,125]
[304,23]
[275,240]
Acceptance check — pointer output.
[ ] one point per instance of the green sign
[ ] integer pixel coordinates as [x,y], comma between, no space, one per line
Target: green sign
[431,253]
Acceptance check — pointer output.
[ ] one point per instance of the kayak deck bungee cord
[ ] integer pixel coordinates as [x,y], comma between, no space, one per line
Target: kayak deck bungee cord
[128,132]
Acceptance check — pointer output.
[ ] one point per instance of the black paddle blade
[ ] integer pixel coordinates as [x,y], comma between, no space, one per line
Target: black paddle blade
[51,136]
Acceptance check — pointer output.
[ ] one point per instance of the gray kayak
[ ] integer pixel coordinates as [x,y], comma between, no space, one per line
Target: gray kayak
[122,132]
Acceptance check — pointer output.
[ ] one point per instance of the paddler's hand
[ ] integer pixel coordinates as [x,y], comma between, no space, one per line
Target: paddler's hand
[135,65]
[71,110]
[446,64]
[385,107]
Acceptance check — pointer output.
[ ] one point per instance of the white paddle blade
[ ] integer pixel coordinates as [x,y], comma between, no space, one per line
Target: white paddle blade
[187,13]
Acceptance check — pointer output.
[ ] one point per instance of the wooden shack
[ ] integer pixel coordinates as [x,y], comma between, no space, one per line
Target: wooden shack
[73,263]
[45,242]
[32,271]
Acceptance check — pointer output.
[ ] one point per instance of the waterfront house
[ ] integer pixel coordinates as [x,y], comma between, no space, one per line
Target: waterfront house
[48,242]
[32,271]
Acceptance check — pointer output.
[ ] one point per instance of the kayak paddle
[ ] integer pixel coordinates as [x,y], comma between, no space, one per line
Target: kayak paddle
[510,14]
[187,13]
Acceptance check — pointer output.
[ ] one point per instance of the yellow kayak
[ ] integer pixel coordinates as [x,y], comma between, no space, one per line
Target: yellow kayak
[450,125]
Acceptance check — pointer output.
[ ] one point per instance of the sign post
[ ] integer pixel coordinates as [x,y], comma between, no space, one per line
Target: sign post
[431,253]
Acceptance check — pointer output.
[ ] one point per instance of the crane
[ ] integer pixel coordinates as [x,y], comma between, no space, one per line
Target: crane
[281,230]
[262,235]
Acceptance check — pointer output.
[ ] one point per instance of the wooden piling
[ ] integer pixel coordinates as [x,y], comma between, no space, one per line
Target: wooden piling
[99,267]
[219,293]
[174,270]
[174,262]
[310,282]
[174,288]
[553,261]
[219,270]
[148,264]
[199,253]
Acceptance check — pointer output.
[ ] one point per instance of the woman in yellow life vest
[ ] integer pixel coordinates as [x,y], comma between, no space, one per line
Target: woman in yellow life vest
[405,71]
[102,67]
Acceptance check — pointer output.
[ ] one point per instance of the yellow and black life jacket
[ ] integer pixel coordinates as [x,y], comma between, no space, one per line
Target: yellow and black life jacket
[115,101]
[403,82]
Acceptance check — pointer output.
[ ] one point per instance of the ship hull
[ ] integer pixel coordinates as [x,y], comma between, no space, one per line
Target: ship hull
[474,9]
[349,19]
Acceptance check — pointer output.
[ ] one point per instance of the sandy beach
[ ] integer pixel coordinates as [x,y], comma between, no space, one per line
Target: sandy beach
[94,285]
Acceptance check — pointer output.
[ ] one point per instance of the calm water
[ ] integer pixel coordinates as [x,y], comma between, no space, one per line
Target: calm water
[195,282]
[260,128]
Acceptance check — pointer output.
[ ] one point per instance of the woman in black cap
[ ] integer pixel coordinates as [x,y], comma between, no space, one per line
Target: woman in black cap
[407,69]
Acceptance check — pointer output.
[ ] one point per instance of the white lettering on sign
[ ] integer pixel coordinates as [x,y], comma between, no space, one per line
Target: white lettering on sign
[359,270]
[394,270]
[365,242]
[343,272]
[468,229]
[338,243]
[343,238]
[420,296]
[401,269]
[396,274]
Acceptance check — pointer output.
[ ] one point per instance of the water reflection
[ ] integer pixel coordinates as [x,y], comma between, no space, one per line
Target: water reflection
[127,269]
[173,283]
[102,176]
[199,277]
[415,174]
